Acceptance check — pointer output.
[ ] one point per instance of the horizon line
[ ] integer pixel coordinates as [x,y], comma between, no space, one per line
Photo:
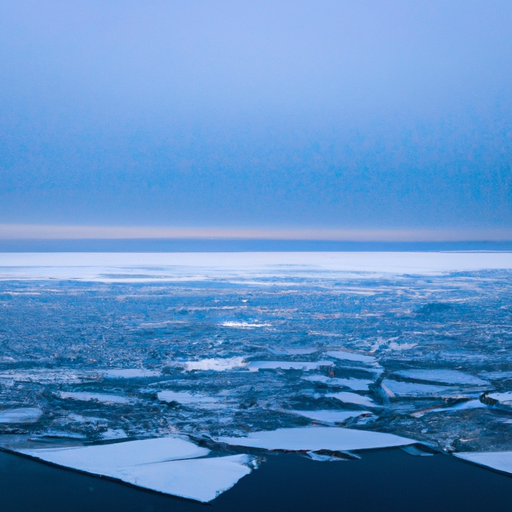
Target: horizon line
[81,232]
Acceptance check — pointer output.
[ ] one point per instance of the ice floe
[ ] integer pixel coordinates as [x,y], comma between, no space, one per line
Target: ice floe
[353,398]
[355,384]
[254,366]
[97,397]
[329,417]
[245,325]
[21,415]
[463,406]
[503,398]
[130,373]
[214,364]
[185,398]
[316,438]
[351,356]
[501,461]
[442,377]
[394,388]
[169,465]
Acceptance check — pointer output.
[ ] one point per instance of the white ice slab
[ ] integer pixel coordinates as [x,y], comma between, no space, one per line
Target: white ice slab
[317,438]
[213,364]
[355,384]
[394,388]
[245,325]
[443,377]
[96,459]
[501,461]
[103,398]
[293,351]
[470,404]
[254,366]
[130,373]
[353,398]
[182,397]
[328,416]
[21,415]
[504,398]
[168,465]
[197,479]
[351,356]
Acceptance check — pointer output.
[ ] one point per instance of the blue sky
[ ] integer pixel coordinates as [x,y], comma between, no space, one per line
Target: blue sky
[367,115]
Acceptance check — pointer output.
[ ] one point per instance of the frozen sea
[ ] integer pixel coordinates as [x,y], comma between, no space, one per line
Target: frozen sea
[106,347]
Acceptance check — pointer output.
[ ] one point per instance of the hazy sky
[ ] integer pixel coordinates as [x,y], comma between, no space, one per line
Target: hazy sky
[328,113]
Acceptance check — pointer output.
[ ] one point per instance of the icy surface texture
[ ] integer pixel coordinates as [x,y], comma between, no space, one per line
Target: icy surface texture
[169,465]
[411,347]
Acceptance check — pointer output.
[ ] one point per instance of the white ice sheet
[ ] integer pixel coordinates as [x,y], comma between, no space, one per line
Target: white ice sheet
[182,397]
[351,356]
[169,465]
[214,364]
[254,366]
[443,377]
[353,398]
[98,397]
[329,417]
[20,415]
[130,373]
[355,384]
[504,398]
[95,459]
[317,438]
[412,389]
[501,461]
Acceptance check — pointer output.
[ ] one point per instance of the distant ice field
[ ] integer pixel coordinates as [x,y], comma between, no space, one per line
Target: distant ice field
[140,267]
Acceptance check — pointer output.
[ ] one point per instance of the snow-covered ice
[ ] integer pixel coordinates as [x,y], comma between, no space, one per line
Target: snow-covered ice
[351,356]
[254,366]
[99,397]
[316,438]
[185,398]
[214,364]
[501,461]
[329,417]
[21,415]
[442,377]
[355,384]
[353,398]
[168,465]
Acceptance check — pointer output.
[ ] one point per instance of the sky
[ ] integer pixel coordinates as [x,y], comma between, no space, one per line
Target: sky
[344,116]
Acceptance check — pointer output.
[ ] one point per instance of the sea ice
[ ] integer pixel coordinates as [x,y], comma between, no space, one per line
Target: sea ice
[329,417]
[95,459]
[394,388]
[353,398]
[21,415]
[254,366]
[501,461]
[130,373]
[98,397]
[504,398]
[316,438]
[469,404]
[162,465]
[245,325]
[355,384]
[214,364]
[185,398]
[442,377]
[351,356]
